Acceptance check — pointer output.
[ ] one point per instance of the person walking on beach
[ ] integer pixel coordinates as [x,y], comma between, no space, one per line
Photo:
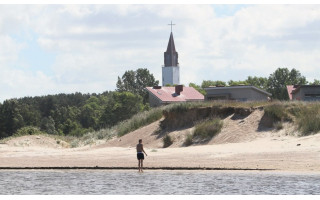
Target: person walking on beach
[140,155]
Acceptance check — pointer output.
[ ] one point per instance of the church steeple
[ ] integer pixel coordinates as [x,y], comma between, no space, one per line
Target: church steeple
[171,56]
[171,69]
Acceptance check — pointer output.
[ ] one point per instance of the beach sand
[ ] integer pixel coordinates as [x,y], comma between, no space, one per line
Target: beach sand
[268,153]
[240,145]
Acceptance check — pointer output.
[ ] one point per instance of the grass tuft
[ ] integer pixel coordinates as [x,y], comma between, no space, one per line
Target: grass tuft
[167,141]
[308,118]
[208,129]
[277,112]
[28,130]
[189,140]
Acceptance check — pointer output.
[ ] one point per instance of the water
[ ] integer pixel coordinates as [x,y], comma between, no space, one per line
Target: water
[107,182]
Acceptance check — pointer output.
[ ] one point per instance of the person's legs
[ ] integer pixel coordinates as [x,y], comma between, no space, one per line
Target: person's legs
[139,165]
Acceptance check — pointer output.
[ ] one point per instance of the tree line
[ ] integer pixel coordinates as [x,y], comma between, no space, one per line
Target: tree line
[77,114]
[275,84]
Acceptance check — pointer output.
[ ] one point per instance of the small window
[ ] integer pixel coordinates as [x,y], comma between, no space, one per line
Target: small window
[312,97]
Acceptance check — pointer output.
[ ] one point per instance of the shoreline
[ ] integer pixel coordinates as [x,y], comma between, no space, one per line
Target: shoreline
[135,168]
[160,170]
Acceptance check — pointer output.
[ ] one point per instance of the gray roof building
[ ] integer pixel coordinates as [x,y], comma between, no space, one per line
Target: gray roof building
[237,93]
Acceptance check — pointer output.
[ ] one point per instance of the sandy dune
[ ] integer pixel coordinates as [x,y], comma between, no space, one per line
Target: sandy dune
[242,144]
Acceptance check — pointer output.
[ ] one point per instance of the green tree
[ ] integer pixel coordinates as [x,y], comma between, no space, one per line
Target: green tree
[208,83]
[259,82]
[121,106]
[69,126]
[282,77]
[198,88]
[235,83]
[127,82]
[136,82]
[48,125]
[47,104]
[91,113]
[11,120]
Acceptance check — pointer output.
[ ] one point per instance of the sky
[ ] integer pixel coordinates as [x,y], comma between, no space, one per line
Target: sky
[51,49]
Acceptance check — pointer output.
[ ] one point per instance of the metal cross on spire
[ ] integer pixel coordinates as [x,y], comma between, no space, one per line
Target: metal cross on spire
[171,25]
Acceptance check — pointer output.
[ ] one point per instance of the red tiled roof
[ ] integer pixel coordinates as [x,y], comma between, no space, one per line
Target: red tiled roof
[167,94]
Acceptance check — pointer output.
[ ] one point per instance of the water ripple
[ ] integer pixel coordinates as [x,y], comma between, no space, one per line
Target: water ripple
[107,182]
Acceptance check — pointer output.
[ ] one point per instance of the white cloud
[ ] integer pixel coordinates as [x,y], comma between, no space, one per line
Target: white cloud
[256,39]
[93,44]
[9,50]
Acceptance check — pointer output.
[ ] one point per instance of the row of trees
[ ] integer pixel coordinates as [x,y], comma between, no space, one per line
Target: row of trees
[72,114]
[275,84]
[76,114]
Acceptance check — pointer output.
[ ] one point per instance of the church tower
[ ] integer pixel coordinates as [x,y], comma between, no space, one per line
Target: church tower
[170,70]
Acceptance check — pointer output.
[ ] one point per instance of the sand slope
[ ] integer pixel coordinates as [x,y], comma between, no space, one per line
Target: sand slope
[243,143]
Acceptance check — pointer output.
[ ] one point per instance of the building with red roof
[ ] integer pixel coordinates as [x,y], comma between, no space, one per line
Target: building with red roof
[304,92]
[159,95]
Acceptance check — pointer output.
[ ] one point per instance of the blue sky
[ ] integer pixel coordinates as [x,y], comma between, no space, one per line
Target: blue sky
[50,49]
[32,56]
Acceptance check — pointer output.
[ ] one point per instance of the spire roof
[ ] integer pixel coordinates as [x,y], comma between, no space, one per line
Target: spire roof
[171,48]
[171,55]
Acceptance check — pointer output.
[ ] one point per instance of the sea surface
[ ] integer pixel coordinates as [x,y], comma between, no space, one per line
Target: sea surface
[156,182]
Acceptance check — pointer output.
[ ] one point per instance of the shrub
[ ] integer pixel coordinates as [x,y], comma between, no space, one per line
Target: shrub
[308,119]
[75,143]
[188,140]
[167,141]
[28,130]
[208,129]
[296,109]
[277,112]
[104,134]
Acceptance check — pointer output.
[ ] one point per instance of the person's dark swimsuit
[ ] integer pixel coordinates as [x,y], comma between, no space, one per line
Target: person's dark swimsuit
[140,156]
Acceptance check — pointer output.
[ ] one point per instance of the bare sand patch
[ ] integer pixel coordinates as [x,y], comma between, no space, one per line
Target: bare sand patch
[242,143]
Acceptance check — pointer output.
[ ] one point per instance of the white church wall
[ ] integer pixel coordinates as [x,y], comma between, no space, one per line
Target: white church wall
[170,75]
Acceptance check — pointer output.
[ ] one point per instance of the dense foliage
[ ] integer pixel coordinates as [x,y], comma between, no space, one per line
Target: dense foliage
[77,114]
[136,82]
[68,114]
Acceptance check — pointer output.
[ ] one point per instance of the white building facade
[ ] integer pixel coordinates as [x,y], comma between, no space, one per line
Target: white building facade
[170,75]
